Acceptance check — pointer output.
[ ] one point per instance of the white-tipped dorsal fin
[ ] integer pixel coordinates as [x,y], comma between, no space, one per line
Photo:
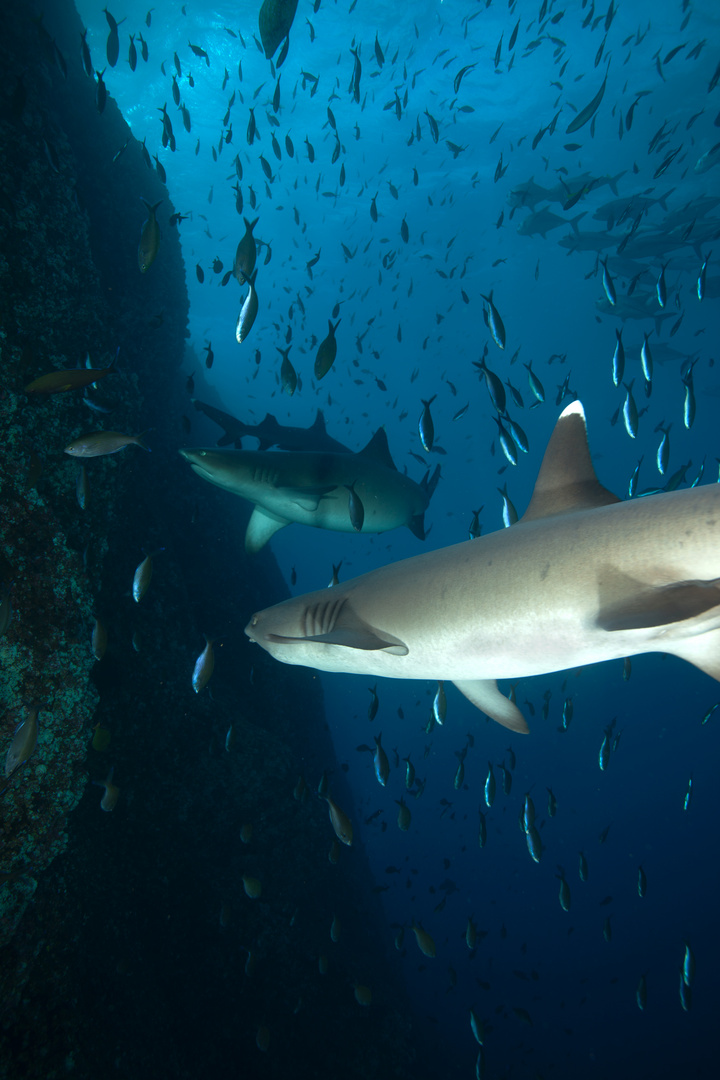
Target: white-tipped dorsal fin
[567,481]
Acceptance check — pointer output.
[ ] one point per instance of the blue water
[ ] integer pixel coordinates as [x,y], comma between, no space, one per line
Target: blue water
[410,316]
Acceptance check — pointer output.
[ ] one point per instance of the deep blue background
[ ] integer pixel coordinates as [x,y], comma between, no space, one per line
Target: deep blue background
[412,317]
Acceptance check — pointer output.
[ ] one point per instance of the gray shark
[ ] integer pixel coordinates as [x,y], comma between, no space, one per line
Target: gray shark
[581,578]
[269,432]
[326,490]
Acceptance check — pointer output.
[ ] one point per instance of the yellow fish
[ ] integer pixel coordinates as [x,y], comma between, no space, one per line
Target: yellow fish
[149,238]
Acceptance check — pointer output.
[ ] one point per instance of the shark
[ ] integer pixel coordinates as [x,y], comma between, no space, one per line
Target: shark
[347,492]
[581,578]
[269,432]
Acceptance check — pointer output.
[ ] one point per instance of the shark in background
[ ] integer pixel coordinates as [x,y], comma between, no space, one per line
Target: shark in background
[346,492]
[582,577]
[270,433]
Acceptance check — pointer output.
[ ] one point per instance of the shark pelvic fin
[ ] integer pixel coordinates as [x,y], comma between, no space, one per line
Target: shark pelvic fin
[703,651]
[261,527]
[307,498]
[484,694]
[642,608]
[567,481]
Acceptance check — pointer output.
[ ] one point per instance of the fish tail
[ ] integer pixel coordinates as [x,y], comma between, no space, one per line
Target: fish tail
[140,440]
[612,182]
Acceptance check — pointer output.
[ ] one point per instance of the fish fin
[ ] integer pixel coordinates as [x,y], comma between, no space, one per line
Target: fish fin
[429,483]
[261,527]
[613,181]
[640,608]
[307,498]
[378,449]
[702,650]
[484,694]
[319,422]
[567,481]
[416,525]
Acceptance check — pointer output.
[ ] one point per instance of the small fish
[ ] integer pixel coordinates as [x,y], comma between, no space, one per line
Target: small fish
[688,966]
[564,895]
[340,822]
[608,284]
[380,762]
[246,253]
[490,786]
[646,359]
[663,450]
[641,994]
[404,817]
[509,513]
[618,361]
[102,443]
[82,488]
[355,507]
[23,743]
[630,412]
[100,92]
[426,427]
[60,382]
[641,883]
[661,287]
[248,311]
[425,943]
[252,886]
[702,277]
[204,666]
[440,704]
[535,385]
[101,738]
[288,375]
[327,351]
[534,843]
[98,640]
[142,577]
[149,238]
[497,326]
[112,791]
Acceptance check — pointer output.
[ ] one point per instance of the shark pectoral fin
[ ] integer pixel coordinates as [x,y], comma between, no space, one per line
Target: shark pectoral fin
[485,695]
[645,608]
[307,498]
[261,527]
[702,650]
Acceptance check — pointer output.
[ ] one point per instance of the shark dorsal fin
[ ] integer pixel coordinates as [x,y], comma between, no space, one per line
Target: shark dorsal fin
[378,449]
[567,481]
[319,422]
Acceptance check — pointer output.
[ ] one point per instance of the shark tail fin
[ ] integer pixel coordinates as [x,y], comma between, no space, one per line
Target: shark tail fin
[613,180]
[428,484]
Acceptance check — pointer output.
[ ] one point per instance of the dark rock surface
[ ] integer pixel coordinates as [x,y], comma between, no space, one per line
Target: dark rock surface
[128,946]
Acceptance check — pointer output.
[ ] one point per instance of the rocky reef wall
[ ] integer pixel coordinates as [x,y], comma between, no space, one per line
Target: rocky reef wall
[128,941]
